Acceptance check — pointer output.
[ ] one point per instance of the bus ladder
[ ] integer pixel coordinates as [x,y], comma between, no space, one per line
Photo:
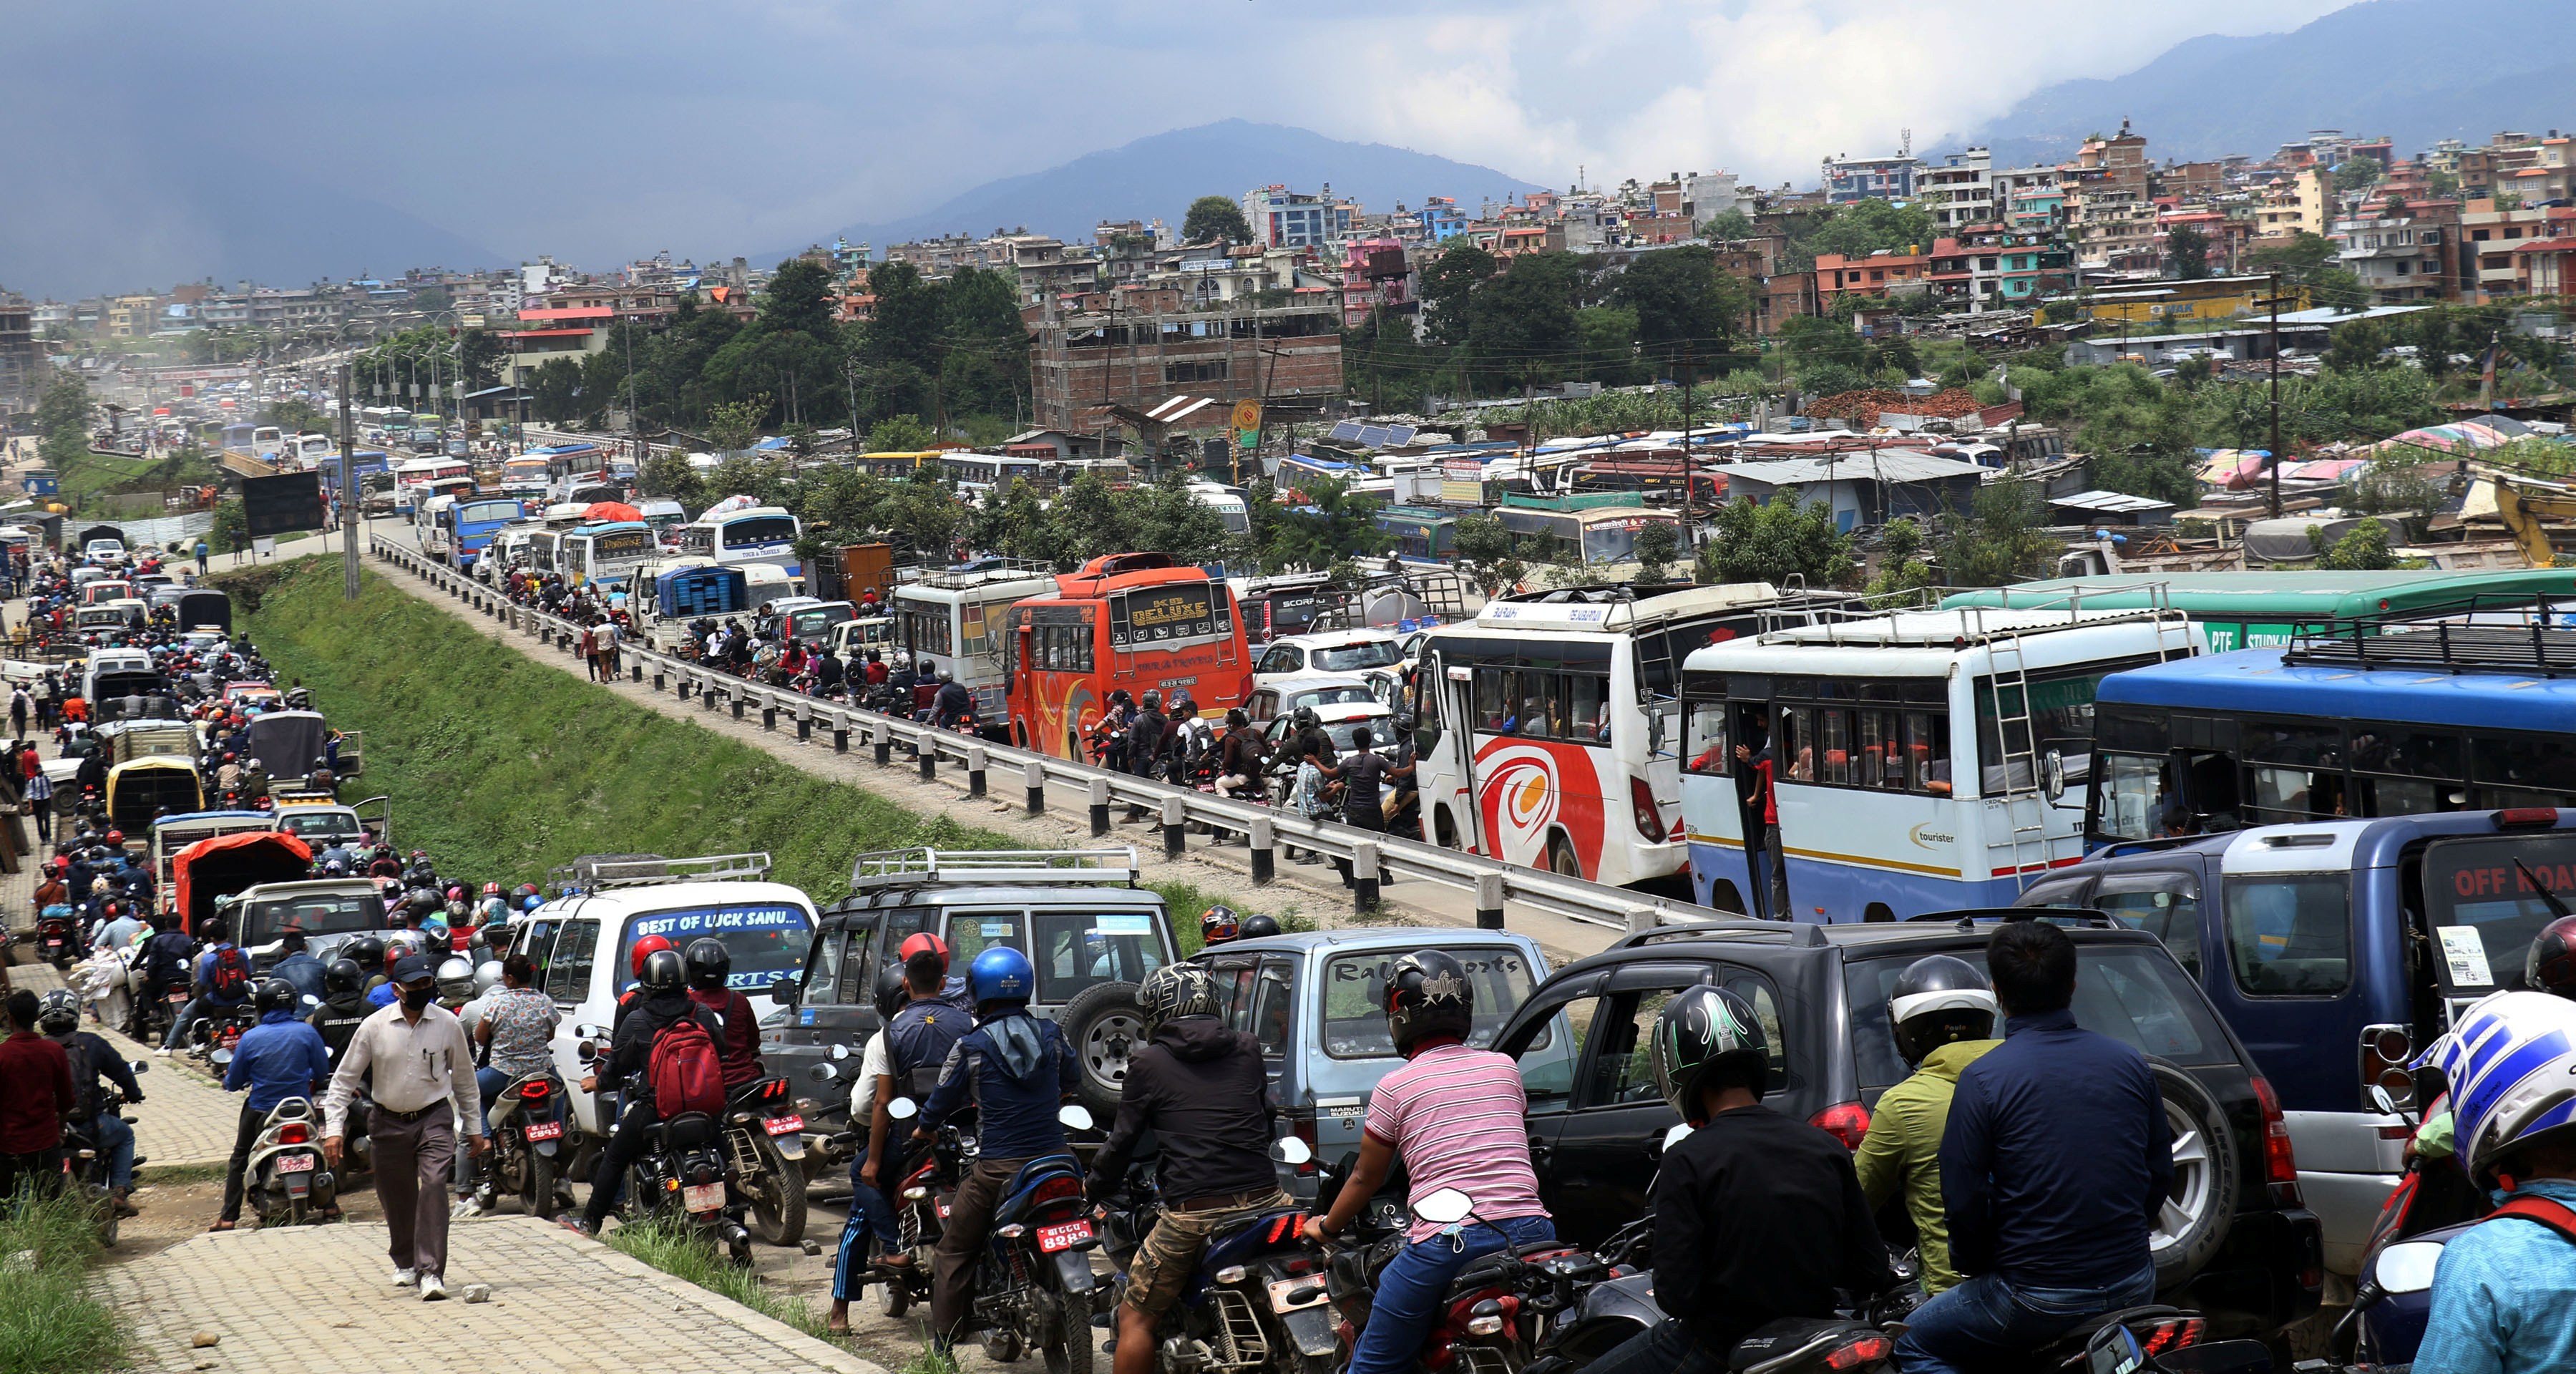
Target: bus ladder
[2030,793]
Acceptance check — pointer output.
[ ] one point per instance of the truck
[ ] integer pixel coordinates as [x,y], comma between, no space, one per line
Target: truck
[843,574]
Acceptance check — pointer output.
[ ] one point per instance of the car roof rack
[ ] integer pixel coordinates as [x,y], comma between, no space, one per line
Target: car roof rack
[602,872]
[912,867]
[1800,933]
[1966,917]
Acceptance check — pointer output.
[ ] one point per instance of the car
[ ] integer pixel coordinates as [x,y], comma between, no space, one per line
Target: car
[322,824]
[2239,1245]
[105,553]
[330,911]
[1282,698]
[1316,1003]
[1341,721]
[1375,655]
[1081,916]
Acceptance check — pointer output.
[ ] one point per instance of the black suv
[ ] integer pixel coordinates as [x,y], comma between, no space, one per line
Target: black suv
[2237,1243]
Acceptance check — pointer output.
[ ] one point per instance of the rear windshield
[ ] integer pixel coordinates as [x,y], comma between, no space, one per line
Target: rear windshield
[322,823]
[2135,994]
[314,913]
[767,940]
[2491,886]
[1344,658]
[1354,992]
[1330,696]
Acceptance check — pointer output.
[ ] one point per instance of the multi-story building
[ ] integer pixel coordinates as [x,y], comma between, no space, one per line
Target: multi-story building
[2546,267]
[1086,362]
[1848,179]
[1440,218]
[18,353]
[2029,200]
[1706,195]
[2110,220]
[2405,255]
[1961,191]
[1883,273]
[2491,234]
[1377,280]
[2028,273]
[2294,203]
[1281,218]
[131,317]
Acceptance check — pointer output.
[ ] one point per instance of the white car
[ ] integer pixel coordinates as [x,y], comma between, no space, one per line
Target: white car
[1374,654]
[106,553]
[1283,696]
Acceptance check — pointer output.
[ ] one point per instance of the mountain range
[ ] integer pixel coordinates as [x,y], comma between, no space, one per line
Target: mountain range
[2417,70]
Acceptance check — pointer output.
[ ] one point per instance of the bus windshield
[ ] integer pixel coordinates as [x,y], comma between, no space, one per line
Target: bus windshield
[1615,542]
[486,512]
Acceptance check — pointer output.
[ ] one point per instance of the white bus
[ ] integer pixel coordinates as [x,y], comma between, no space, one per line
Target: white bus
[418,479]
[268,441]
[1920,761]
[753,534]
[1229,506]
[606,554]
[1549,727]
[951,618]
[305,452]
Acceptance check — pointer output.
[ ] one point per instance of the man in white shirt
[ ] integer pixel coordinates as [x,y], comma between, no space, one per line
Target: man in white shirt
[424,1085]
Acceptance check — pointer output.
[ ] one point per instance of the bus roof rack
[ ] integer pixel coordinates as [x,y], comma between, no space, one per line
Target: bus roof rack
[596,872]
[981,571]
[907,867]
[2532,646]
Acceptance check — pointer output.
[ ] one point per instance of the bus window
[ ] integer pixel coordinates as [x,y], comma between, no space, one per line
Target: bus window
[2293,772]
[1705,746]
[925,629]
[2402,772]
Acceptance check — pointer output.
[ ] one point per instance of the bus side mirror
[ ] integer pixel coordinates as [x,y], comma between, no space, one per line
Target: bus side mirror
[2052,774]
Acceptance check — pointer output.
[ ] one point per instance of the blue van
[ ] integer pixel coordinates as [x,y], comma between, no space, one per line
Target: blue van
[2337,950]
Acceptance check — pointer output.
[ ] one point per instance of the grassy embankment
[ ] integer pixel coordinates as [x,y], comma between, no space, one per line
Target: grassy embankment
[50,1323]
[503,768]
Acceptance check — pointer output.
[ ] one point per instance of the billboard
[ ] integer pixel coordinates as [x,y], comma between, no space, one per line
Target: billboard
[284,504]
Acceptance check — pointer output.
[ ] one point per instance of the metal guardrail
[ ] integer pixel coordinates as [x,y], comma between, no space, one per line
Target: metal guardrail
[1370,853]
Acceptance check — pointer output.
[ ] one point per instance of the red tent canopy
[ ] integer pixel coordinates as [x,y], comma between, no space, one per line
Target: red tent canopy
[611,510]
[229,863]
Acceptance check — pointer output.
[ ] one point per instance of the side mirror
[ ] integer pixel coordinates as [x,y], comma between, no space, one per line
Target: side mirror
[2052,774]
[1290,1150]
[840,1051]
[140,1067]
[586,1052]
[1075,1116]
[220,1058]
[903,1109]
[822,1073]
[1446,1207]
[1673,1137]
[783,991]
[312,1001]
[2380,1099]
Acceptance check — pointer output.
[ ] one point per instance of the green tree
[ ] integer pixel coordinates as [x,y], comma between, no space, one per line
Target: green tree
[231,532]
[1521,324]
[2363,548]
[2357,344]
[65,407]
[1485,554]
[1901,566]
[2358,173]
[2299,259]
[1449,283]
[1214,218]
[2338,288]
[555,392]
[1865,227]
[2444,185]
[479,356]
[1686,304]
[295,415]
[2004,538]
[1726,226]
[906,326]
[671,476]
[900,434]
[1605,342]
[798,300]
[2188,248]
[1775,541]
[733,425]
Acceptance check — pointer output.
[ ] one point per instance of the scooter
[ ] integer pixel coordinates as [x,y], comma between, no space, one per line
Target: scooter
[1265,1306]
[284,1178]
[85,1168]
[58,937]
[527,1142]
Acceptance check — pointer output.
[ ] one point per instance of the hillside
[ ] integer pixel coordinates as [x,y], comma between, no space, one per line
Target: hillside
[2418,70]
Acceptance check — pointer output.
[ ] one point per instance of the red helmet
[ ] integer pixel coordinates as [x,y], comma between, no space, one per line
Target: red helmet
[915,944]
[491,889]
[2550,966]
[115,837]
[645,949]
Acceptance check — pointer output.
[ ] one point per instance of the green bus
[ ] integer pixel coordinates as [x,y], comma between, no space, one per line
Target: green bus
[2250,610]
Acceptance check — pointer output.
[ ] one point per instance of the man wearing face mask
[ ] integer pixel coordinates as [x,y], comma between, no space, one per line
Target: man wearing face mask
[423,1070]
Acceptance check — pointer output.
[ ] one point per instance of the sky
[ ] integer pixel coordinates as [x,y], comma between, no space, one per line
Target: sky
[599,130]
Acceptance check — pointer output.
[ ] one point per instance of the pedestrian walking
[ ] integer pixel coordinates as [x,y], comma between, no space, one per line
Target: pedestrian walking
[35,1093]
[424,1083]
[18,708]
[590,650]
[40,801]
[201,556]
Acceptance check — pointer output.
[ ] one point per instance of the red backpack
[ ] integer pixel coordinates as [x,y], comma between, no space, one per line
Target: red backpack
[685,1071]
[229,976]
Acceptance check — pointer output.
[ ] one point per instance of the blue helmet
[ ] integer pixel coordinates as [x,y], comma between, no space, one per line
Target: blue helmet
[1001,974]
[532,901]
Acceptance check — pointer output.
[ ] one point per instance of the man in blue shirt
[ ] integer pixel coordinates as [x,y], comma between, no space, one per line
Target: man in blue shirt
[279,1058]
[2054,1164]
[297,966]
[1016,1068]
[210,996]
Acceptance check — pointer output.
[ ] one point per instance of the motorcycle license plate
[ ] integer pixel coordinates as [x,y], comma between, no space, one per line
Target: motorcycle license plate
[545,1130]
[702,1197]
[1062,1235]
[1280,1301]
[294,1164]
[782,1125]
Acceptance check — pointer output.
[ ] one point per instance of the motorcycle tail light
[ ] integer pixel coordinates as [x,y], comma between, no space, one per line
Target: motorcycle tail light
[2168,1334]
[1862,1350]
[535,1092]
[1056,1189]
[294,1133]
[1847,1122]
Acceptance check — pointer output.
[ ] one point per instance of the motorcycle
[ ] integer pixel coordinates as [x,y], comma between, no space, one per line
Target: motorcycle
[218,1030]
[765,1135]
[1501,1309]
[85,1167]
[2393,1298]
[1034,1288]
[1264,1301]
[58,937]
[527,1142]
[682,1176]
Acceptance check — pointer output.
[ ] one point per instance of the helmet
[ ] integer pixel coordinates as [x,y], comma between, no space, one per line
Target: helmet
[1218,925]
[456,893]
[420,899]
[709,961]
[1174,991]
[946,676]
[1153,699]
[1118,696]
[1254,927]
[343,976]
[491,889]
[892,991]
[1306,719]
[274,994]
[420,856]
[645,949]
[1427,994]
[115,838]
[924,940]
[662,970]
[487,976]
[456,978]
[1938,999]
[2511,1064]
[531,902]
[1704,1028]
[2551,965]
[334,867]
[1000,974]
[58,1011]
[403,943]
[526,890]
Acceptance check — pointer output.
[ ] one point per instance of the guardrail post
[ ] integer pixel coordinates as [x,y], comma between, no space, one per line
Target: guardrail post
[804,724]
[1641,919]
[841,735]
[658,680]
[686,686]
[637,669]
[927,751]
[769,715]
[1099,806]
[1265,861]
[1033,776]
[1175,826]
[883,739]
[1489,901]
[975,761]
[739,702]
[1364,877]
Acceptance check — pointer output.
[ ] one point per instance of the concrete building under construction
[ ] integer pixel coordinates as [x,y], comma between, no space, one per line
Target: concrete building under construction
[1085,363]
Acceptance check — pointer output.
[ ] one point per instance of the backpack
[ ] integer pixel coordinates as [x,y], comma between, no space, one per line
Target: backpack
[229,976]
[2549,1212]
[684,1070]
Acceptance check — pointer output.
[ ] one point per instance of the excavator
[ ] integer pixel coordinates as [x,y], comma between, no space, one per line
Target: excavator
[2522,506]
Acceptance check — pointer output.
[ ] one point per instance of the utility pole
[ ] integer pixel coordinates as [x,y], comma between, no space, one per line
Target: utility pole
[348,489]
[2273,300]
[1689,369]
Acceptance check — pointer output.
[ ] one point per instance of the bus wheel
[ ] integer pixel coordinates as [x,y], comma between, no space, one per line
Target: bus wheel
[1726,898]
[1561,859]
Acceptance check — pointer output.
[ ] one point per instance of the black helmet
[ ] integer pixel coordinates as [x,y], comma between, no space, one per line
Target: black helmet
[1153,699]
[58,1011]
[274,994]
[664,972]
[1937,999]
[1427,994]
[367,951]
[1254,927]
[1701,1030]
[343,976]
[1306,719]
[709,961]
[1174,991]
[892,991]
[1217,925]
[2551,964]
[1118,697]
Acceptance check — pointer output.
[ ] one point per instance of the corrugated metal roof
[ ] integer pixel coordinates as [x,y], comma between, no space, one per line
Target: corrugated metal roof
[2109,501]
[1886,465]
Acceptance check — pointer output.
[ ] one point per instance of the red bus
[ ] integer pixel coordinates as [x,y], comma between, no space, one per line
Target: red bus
[1133,620]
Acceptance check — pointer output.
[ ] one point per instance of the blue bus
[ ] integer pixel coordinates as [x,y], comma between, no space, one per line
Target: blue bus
[367,461]
[473,520]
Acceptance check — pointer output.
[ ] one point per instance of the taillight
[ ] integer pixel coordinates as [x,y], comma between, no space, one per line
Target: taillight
[294,1133]
[537,1091]
[2280,1163]
[2165,1335]
[1303,1127]
[2517,817]
[1858,1351]
[1056,1189]
[1650,818]
[1844,1121]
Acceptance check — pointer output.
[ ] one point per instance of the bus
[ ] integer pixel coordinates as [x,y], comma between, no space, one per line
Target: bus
[2248,610]
[951,619]
[306,451]
[418,479]
[982,472]
[525,475]
[897,465]
[368,462]
[1548,728]
[2413,720]
[1921,761]
[470,522]
[1141,621]
[753,534]
[1226,502]
[268,441]
[1421,532]
[665,516]
[606,554]
[1591,529]
[1656,474]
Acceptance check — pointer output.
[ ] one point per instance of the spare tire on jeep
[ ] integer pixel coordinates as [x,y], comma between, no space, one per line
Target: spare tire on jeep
[1106,1027]
[2201,1204]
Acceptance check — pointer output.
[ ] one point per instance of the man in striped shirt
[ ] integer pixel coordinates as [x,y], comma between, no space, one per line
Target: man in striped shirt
[1455,1116]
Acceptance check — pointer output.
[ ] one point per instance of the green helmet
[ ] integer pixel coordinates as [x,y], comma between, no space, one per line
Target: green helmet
[1701,1029]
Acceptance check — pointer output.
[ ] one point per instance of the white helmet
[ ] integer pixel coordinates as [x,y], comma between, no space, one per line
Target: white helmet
[2511,1064]
[455,979]
[487,976]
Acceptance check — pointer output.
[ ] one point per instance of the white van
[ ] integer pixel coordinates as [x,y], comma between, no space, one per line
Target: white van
[582,943]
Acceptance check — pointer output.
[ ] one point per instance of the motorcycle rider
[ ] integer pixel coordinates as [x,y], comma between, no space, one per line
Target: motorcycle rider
[58,1019]
[1198,1085]
[1454,1115]
[662,1002]
[295,965]
[952,702]
[710,966]
[1145,743]
[1016,1068]
[2503,1289]
[165,962]
[220,981]
[1758,1215]
[279,1058]
[1240,756]
[871,1217]
[918,1036]
[344,1005]
[1217,926]
[1943,1016]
